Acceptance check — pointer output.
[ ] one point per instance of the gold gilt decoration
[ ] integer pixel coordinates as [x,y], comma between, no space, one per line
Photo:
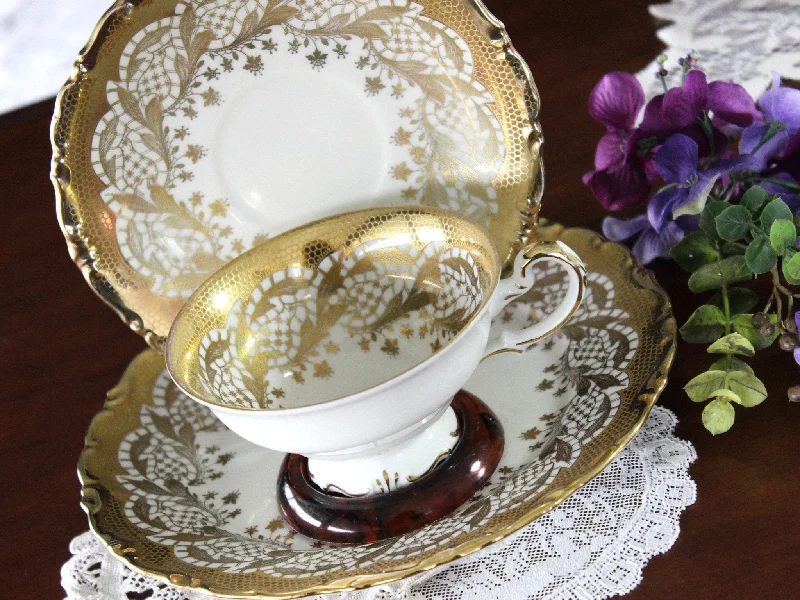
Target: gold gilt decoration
[143,147]
[126,158]
[162,478]
[310,310]
[299,319]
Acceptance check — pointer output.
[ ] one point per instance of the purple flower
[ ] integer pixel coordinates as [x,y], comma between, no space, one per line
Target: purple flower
[616,101]
[766,151]
[781,108]
[797,350]
[774,187]
[620,178]
[789,160]
[680,107]
[776,142]
[781,104]
[650,244]
[677,163]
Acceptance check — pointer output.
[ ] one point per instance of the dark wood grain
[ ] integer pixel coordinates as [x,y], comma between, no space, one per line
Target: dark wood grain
[61,348]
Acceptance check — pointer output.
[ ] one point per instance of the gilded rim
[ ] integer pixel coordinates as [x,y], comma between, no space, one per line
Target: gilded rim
[83,253]
[663,326]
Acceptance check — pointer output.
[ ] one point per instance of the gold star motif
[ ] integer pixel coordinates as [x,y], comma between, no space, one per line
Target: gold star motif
[401,171]
[530,434]
[402,137]
[322,369]
[410,193]
[390,347]
[218,208]
[418,154]
[274,525]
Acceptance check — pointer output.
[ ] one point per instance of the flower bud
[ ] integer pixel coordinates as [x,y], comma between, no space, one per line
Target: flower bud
[766,330]
[788,342]
[790,325]
[794,393]
[662,58]
[760,319]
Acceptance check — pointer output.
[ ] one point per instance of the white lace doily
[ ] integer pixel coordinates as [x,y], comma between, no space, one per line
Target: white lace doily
[594,545]
[39,39]
[743,40]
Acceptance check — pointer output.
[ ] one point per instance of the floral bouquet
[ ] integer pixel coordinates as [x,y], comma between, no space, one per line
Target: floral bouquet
[725,172]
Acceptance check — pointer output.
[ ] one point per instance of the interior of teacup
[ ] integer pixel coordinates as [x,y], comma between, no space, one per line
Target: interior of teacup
[333,308]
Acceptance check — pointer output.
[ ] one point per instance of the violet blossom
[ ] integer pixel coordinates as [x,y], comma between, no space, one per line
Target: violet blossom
[776,141]
[680,107]
[621,178]
[650,243]
[677,162]
[797,349]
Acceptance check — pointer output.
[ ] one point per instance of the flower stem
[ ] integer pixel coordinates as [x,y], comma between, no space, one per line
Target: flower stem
[776,282]
[726,307]
[705,125]
[784,184]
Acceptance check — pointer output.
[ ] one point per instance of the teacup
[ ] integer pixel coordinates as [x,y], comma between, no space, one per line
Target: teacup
[345,340]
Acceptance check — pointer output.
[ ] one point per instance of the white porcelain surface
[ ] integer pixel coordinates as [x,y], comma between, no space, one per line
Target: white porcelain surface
[391,468]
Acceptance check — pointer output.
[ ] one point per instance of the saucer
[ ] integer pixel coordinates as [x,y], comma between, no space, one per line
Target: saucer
[176,495]
[192,130]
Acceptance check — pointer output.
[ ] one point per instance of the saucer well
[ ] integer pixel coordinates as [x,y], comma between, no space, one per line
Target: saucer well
[175,494]
[191,130]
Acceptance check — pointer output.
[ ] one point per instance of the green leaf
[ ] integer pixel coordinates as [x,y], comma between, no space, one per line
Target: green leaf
[782,235]
[748,387]
[743,324]
[773,129]
[773,211]
[754,198]
[705,325]
[694,251]
[708,216]
[726,395]
[733,223]
[723,272]
[736,365]
[702,386]
[718,416]
[733,248]
[791,269]
[733,343]
[760,255]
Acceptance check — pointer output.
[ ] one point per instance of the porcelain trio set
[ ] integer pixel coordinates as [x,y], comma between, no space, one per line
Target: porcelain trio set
[316,209]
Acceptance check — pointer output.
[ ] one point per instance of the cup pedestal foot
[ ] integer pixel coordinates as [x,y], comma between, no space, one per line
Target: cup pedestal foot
[335,518]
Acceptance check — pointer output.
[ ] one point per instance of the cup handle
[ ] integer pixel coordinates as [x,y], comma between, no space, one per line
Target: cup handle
[502,339]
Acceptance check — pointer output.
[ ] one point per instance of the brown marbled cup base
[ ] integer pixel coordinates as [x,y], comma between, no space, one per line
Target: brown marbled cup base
[333,518]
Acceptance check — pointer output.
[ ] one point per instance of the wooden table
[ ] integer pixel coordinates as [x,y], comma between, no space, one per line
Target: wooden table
[61,348]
